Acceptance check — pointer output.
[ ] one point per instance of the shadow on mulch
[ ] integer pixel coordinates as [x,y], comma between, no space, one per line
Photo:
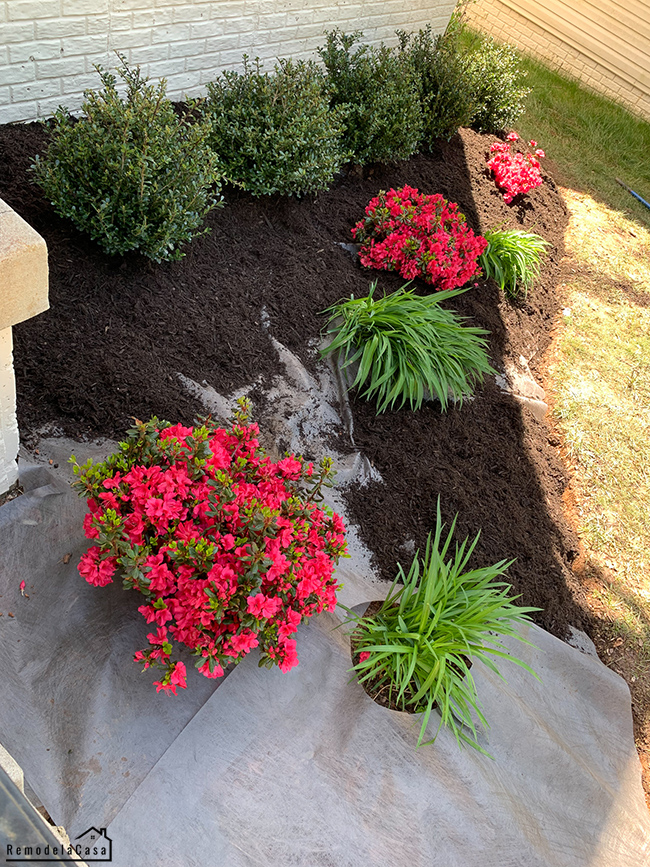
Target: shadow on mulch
[119,331]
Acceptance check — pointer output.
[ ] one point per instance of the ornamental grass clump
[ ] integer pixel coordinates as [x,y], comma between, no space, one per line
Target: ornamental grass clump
[130,173]
[275,132]
[406,345]
[436,619]
[418,235]
[229,549]
[512,259]
[375,89]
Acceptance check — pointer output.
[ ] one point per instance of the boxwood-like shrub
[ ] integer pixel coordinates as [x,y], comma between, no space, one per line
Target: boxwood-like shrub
[376,89]
[131,173]
[440,71]
[496,84]
[274,132]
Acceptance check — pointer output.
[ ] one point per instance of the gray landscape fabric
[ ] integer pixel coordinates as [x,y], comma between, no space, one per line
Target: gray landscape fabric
[303,768]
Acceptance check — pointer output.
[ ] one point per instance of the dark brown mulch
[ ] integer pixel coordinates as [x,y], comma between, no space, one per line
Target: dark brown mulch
[14,491]
[119,330]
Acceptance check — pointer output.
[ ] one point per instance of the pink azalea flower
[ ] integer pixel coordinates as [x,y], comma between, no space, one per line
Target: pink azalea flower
[179,674]
[244,642]
[165,687]
[217,671]
[290,658]
[181,542]
[290,467]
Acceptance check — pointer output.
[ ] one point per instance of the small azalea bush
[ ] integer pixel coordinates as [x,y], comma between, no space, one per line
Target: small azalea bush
[131,173]
[515,173]
[418,235]
[229,549]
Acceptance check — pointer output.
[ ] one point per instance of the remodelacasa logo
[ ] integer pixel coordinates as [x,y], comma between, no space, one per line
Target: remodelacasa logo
[91,846]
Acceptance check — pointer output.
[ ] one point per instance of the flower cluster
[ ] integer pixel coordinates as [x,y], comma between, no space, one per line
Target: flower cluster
[229,549]
[515,173]
[418,235]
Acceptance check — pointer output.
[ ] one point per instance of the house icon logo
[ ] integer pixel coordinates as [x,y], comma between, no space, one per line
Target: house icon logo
[94,845]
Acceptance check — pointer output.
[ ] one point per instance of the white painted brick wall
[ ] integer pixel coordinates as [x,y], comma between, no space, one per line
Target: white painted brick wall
[48,47]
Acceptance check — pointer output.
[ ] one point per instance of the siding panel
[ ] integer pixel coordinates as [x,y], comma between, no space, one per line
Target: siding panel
[605,43]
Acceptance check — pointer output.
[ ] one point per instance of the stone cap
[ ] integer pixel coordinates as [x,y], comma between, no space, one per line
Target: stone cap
[23,269]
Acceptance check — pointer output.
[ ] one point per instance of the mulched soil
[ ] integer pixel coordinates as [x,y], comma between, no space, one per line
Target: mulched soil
[119,329]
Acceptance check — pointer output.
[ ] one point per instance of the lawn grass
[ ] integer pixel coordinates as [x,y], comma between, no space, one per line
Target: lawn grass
[598,369]
[601,387]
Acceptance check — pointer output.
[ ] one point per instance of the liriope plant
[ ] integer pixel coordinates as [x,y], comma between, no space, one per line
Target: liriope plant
[406,345]
[436,619]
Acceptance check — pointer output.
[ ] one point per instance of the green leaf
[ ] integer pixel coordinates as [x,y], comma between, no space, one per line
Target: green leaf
[435,619]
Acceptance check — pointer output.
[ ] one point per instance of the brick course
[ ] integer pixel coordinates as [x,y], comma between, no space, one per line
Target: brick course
[53,44]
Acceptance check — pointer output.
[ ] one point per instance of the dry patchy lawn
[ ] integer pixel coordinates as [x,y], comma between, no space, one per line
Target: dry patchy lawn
[598,380]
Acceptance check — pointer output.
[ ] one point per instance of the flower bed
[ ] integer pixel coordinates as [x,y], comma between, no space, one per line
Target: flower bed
[135,325]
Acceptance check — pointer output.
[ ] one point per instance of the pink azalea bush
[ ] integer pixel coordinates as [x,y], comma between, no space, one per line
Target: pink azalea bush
[229,549]
[418,235]
[515,173]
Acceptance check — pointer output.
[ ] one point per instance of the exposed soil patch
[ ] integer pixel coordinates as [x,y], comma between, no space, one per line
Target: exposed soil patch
[119,331]
[14,491]
[383,694]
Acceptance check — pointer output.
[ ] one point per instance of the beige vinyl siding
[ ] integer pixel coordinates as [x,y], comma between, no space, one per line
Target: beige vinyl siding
[604,43]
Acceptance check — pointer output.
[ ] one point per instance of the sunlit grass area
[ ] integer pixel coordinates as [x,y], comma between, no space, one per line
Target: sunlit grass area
[590,140]
[601,386]
[607,242]
[602,393]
